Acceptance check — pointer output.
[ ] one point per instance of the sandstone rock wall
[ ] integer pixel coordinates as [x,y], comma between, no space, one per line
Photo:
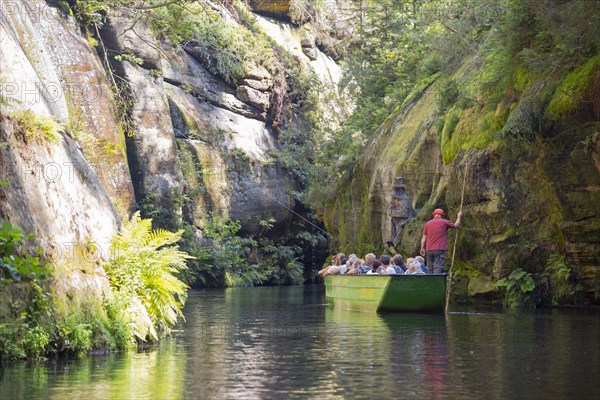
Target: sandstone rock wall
[522,202]
[69,191]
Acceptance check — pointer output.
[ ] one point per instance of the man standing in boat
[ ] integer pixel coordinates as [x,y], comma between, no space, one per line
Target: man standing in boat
[435,240]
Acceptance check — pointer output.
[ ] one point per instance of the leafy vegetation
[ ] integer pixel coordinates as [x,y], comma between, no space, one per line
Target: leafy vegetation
[163,212]
[36,128]
[26,328]
[144,302]
[519,286]
[142,273]
[223,258]
[522,47]
[226,49]
[571,91]
[561,278]
[402,49]
[131,58]
[13,266]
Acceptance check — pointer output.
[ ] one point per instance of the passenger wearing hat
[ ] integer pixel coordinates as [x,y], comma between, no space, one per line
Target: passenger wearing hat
[435,240]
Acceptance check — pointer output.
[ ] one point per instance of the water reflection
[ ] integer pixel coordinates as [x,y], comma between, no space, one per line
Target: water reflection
[157,373]
[287,343]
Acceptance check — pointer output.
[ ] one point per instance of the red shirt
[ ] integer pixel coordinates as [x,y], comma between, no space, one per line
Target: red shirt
[436,231]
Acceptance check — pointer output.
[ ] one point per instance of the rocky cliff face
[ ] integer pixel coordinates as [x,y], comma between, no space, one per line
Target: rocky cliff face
[522,203]
[67,190]
[174,138]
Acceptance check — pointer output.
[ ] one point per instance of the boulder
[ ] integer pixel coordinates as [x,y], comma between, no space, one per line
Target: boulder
[308,42]
[50,69]
[227,155]
[254,97]
[262,85]
[258,73]
[311,53]
[481,285]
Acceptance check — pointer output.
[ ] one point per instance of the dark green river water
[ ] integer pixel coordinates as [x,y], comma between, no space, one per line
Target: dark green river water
[271,343]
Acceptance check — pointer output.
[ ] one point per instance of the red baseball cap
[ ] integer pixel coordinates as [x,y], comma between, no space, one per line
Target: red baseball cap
[438,211]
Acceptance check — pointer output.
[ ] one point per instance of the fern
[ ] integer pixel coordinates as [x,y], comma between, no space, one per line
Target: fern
[143,269]
[562,279]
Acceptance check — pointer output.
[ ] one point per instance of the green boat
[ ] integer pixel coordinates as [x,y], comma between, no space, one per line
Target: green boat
[398,293]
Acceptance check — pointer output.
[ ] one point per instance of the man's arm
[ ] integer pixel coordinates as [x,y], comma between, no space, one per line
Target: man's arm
[423,240]
[456,224]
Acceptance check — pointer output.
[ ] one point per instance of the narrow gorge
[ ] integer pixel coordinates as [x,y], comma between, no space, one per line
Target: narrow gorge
[270,134]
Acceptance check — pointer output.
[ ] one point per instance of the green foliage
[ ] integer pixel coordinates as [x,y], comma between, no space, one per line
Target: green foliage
[223,258]
[226,259]
[535,44]
[419,88]
[240,154]
[524,121]
[142,270]
[192,171]
[518,287]
[13,266]
[571,91]
[448,95]
[131,58]
[163,211]
[450,121]
[561,278]
[35,128]
[402,49]
[119,317]
[226,49]
[35,341]
[145,300]
[75,334]
[28,332]
[91,12]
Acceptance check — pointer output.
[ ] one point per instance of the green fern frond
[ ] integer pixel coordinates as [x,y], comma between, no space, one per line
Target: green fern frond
[142,269]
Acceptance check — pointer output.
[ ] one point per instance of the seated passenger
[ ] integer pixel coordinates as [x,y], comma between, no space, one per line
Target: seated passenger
[334,268]
[343,267]
[358,263]
[399,265]
[376,269]
[414,267]
[367,266]
[385,264]
[421,260]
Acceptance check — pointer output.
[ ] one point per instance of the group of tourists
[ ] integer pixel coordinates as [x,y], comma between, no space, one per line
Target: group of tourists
[370,265]
[434,244]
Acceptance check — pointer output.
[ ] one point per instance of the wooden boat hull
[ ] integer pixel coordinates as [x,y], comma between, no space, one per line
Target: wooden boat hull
[398,293]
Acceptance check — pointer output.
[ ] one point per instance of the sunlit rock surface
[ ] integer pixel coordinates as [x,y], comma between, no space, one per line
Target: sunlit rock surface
[521,204]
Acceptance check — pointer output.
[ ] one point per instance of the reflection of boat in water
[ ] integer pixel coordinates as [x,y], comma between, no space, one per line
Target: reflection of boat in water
[398,293]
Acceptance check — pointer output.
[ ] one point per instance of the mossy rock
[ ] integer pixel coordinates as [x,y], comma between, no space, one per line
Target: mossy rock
[481,286]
